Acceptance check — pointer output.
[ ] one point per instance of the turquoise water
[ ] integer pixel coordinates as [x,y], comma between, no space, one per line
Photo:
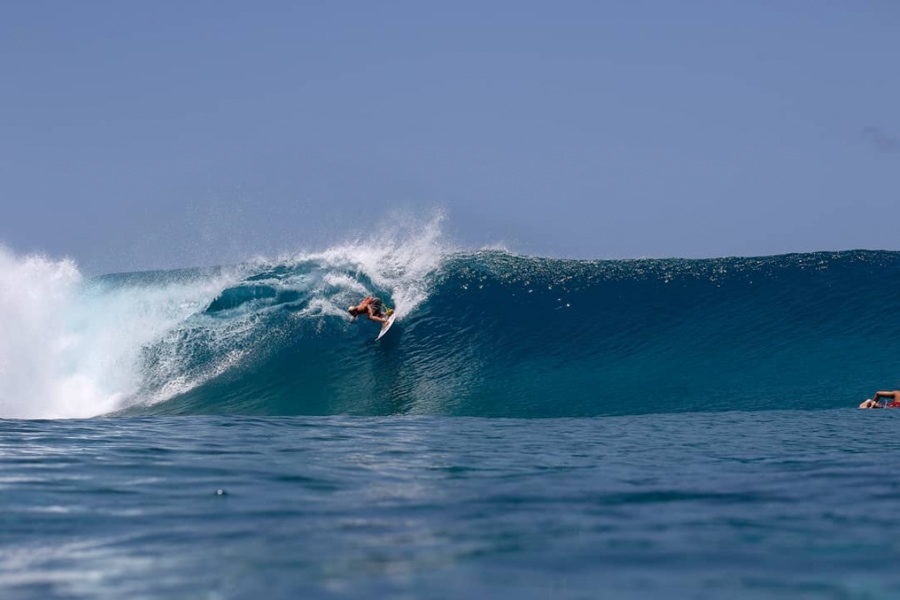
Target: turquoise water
[485,334]
[530,428]
[771,504]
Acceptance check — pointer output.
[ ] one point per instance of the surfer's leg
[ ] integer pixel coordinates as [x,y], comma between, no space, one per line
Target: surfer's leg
[892,395]
[375,317]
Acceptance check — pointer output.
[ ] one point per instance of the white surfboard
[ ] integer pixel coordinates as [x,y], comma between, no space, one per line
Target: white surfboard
[386,326]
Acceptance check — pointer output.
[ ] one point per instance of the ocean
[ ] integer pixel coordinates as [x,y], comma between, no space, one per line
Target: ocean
[530,427]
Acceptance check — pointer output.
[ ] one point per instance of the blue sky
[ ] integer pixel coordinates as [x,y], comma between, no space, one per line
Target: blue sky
[160,134]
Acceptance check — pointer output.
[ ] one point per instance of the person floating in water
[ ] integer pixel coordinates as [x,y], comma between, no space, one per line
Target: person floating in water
[373,308]
[874,402]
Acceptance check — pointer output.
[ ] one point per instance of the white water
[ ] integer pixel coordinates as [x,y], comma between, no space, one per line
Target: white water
[70,347]
[398,258]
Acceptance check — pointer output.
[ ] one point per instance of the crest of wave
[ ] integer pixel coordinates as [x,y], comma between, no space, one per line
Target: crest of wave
[399,258]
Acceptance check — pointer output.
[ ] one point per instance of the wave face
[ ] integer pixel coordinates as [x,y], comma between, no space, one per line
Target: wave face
[485,334]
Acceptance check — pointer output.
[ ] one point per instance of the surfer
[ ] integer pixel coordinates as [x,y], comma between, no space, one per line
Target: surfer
[874,403]
[373,308]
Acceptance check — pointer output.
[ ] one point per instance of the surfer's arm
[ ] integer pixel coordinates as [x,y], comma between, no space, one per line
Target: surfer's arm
[885,395]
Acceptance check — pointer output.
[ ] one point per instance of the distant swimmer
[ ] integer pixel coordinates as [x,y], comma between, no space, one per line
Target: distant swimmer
[373,308]
[878,400]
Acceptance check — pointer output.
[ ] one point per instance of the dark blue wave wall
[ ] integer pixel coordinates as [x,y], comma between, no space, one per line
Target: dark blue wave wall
[507,336]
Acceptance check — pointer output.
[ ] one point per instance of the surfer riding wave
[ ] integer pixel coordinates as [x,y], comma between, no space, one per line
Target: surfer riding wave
[373,308]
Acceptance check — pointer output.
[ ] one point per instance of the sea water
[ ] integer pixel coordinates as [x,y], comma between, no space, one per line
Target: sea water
[529,428]
[770,504]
